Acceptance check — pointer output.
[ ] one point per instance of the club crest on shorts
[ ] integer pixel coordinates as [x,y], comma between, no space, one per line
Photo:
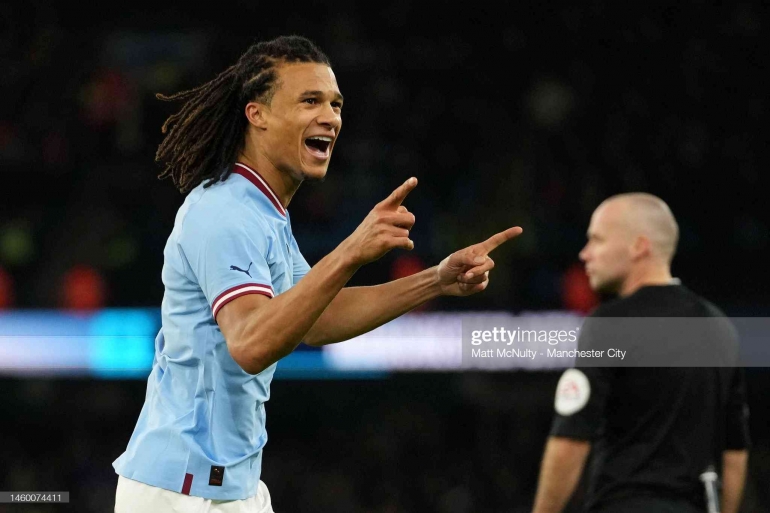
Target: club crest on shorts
[572,392]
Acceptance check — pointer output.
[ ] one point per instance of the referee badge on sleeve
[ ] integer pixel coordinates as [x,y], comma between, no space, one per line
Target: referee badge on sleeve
[572,392]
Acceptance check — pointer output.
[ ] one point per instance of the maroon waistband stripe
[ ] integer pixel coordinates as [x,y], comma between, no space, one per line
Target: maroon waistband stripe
[187,484]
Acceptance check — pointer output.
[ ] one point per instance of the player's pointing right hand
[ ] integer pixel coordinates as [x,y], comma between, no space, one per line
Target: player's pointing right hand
[398,196]
[386,227]
[466,272]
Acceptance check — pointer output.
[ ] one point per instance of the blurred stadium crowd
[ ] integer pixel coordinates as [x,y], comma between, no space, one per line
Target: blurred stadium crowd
[527,115]
[444,443]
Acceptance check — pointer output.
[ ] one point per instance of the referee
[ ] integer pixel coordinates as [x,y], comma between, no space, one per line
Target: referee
[654,431]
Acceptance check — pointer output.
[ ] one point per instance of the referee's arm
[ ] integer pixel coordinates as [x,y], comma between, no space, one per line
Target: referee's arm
[581,395]
[560,473]
[737,441]
[733,478]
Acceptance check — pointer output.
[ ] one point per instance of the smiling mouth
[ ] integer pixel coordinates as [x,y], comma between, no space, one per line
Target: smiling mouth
[318,146]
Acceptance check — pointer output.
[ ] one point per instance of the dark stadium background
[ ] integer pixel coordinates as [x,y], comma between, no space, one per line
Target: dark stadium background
[527,114]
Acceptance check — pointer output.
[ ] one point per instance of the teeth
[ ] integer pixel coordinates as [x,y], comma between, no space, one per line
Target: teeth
[321,138]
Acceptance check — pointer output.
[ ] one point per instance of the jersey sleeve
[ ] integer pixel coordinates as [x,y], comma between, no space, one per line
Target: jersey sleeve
[582,392]
[581,397]
[229,259]
[737,411]
[301,267]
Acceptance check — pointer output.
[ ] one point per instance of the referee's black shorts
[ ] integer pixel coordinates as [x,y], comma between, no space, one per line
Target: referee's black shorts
[649,505]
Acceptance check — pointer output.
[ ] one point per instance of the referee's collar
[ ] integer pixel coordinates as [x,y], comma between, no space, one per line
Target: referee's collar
[260,183]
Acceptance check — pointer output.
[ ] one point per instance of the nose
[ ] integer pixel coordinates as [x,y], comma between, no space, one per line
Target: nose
[329,117]
[584,255]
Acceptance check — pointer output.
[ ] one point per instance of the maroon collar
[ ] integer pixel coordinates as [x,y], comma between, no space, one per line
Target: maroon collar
[261,184]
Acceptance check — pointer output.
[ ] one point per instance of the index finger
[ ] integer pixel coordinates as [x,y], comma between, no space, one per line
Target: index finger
[498,238]
[397,197]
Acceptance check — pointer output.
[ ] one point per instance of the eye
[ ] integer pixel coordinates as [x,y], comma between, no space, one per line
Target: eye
[337,105]
[310,101]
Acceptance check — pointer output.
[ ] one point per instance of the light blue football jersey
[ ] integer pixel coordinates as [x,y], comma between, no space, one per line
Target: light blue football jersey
[202,428]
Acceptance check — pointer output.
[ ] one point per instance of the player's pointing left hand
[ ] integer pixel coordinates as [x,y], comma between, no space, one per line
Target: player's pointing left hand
[466,272]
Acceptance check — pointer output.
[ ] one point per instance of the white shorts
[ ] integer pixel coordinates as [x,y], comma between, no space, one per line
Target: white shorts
[135,497]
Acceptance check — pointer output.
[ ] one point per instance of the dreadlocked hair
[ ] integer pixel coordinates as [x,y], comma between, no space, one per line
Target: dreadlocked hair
[204,137]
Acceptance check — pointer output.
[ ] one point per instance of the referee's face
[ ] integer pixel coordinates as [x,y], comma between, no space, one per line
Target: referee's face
[607,255]
[304,120]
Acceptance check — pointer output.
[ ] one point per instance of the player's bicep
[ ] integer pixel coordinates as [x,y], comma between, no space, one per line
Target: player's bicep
[236,320]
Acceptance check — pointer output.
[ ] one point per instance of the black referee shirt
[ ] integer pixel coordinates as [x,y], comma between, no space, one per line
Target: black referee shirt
[654,430]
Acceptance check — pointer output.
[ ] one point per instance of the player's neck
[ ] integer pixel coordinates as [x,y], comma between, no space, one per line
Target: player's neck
[283,185]
[645,276]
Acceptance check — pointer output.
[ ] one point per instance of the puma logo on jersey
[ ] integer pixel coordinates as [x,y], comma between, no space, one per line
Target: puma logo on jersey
[236,268]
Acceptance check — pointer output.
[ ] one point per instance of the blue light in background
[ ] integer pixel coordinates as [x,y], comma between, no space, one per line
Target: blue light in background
[312,364]
[116,343]
[122,342]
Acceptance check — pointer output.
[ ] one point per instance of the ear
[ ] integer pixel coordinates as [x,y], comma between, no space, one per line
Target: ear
[255,113]
[642,247]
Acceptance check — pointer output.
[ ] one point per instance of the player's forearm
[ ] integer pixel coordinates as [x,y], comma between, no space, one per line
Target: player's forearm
[279,326]
[733,478]
[357,310]
[560,473]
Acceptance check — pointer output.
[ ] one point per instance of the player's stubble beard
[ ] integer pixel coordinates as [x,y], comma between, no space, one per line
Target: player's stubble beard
[313,179]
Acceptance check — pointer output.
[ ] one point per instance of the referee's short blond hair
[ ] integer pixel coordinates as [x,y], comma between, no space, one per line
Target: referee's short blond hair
[648,215]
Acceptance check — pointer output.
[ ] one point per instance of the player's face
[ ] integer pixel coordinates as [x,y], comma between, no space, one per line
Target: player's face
[304,120]
[607,255]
